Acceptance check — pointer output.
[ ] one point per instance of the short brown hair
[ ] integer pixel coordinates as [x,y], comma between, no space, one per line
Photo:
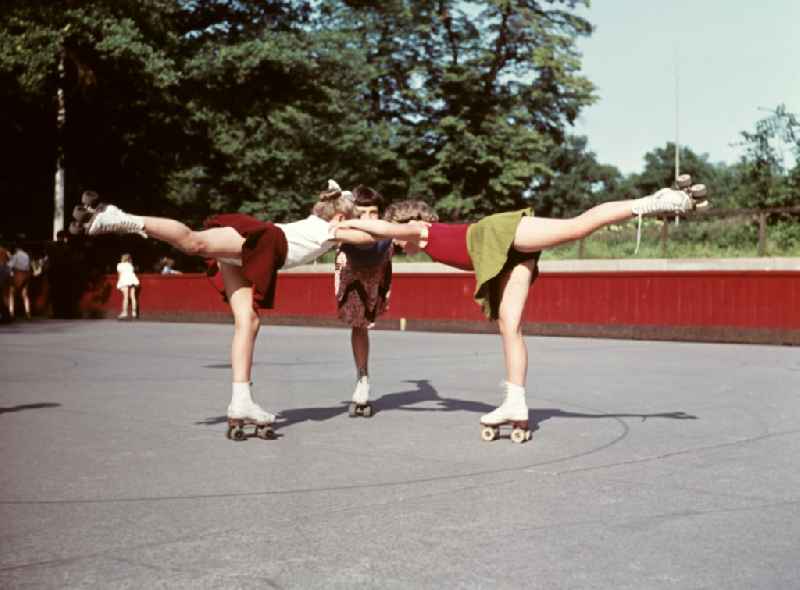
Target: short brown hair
[368,197]
[409,210]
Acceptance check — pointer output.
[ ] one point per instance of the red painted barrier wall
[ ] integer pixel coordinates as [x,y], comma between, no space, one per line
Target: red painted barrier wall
[764,301]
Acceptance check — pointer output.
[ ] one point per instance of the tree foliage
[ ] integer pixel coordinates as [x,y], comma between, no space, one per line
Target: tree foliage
[194,106]
[188,107]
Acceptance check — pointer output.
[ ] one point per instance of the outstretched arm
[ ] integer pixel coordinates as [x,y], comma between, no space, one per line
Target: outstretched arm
[379,229]
[353,236]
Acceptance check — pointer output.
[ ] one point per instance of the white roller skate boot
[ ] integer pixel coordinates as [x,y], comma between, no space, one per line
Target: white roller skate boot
[670,201]
[513,412]
[243,411]
[360,405]
[112,220]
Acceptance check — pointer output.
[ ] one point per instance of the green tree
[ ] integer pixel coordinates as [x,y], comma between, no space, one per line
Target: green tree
[578,181]
[118,77]
[764,181]
[478,93]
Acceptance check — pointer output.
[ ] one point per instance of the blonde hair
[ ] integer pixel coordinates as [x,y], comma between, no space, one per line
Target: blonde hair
[409,210]
[126,258]
[332,202]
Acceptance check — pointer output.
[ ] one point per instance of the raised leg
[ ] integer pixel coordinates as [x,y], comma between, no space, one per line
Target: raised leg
[211,243]
[540,233]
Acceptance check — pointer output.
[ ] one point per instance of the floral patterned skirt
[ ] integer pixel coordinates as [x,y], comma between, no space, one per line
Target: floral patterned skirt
[362,292]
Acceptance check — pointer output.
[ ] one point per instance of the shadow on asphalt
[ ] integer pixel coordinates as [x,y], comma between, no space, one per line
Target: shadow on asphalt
[424,392]
[28,407]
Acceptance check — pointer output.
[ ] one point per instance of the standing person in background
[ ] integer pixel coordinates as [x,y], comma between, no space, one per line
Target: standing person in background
[362,280]
[20,265]
[128,283]
[166,265]
[5,283]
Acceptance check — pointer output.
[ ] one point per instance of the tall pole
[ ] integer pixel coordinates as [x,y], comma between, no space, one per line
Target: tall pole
[677,119]
[61,119]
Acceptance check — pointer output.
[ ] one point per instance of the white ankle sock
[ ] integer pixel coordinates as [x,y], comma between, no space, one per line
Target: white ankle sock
[515,389]
[241,393]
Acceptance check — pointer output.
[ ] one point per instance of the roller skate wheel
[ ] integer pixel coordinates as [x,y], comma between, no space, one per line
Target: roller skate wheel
[684,181]
[520,436]
[238,433]
[698,191]
[366,411]
[265,432]
[489,433]
[352,410]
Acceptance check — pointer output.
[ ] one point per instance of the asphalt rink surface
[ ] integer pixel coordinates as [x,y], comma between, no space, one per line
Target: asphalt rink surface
[652,464]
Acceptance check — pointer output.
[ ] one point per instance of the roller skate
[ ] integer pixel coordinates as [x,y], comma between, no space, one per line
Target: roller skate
[512,412]
[685,197]
[109,219]
[360,405]
[243,411]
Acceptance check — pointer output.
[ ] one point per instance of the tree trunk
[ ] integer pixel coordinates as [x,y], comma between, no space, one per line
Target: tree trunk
[61,118]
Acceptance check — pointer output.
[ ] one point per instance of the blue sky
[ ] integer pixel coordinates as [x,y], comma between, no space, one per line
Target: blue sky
[734,58]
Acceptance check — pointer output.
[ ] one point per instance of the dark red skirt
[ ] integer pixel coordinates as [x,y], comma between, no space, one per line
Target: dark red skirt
[263,253]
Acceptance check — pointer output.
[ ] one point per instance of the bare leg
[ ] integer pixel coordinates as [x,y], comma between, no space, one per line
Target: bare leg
[209,243]
[242,409]
[359,339]
[514,293]
[539,233]
[26,301]
[246,321]
[12,293]
[514,409]
[124,312]
[134,302]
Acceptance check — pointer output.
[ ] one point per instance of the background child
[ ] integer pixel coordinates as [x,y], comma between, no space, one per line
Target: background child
[362,283]
[503,250]
[128,283]
[20,265]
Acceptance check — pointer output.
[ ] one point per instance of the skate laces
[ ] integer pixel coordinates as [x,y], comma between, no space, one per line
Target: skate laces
[113,219]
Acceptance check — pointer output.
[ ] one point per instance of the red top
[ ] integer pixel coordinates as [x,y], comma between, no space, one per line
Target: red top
[447,243]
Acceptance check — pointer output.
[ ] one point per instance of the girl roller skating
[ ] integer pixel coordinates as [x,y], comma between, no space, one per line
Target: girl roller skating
[503,250]
[362,282]
[248,253]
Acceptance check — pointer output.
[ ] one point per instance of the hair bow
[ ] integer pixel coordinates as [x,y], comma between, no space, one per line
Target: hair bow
[334,186]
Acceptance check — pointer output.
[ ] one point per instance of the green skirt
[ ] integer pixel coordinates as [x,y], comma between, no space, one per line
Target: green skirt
[490,245]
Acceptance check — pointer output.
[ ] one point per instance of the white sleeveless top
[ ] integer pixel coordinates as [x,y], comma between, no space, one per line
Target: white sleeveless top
[306,240]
